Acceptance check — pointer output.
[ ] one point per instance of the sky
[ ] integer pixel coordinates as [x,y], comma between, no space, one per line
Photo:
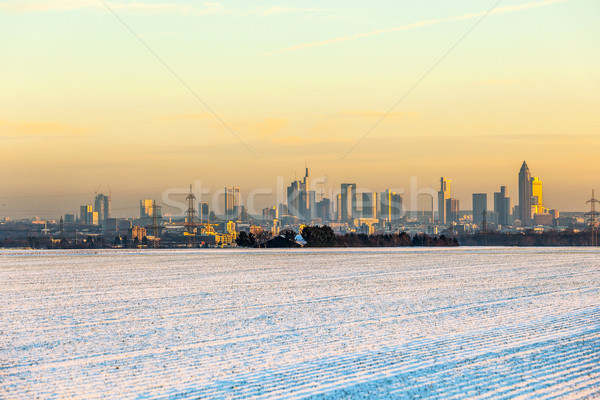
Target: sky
[142,97]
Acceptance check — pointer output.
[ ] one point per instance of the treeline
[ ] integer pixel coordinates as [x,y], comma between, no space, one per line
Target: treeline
[393,240]
[324,236]
[550,238]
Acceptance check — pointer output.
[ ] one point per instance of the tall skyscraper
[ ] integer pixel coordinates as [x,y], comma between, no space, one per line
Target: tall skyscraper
[369,204]
[443,195]
[525,195]
[324,210]
[390,206]
[479,206]
[232,202]
[146,208]
[102,207]
[537,205]
[348,202]
[203,212]
[502,206]
[300,199]
[86,215]
[452,211]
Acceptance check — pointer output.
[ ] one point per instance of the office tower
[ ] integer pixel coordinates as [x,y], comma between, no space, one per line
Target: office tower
[443,195]
[102,206]
[311,212]
[537,206]
[146,208]
[301,199]
[307,196]
[502,206]
[525,195]
[94,218]
[232,202]
[269,213]
[479,206]
[369,204]
[390,206]
[283,210]
[338,208]
[348,202]
[69,218]
[203,212]
[324,210]
[452,211]
[86,216]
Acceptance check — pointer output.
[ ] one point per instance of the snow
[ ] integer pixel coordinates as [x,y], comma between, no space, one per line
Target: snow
[488,323]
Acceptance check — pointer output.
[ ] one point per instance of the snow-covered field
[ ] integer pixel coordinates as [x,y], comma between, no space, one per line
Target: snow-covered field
[405,323]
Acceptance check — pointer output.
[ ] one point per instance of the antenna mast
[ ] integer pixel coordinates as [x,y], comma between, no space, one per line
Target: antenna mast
[593,219]
[191,198]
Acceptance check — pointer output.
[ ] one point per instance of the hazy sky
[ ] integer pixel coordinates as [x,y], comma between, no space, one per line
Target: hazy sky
[84,103]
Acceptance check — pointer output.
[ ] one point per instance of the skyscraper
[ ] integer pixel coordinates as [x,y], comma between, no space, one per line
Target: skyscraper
[86,215]
[525,195]
[443,195]
[203,212]
[369,204]
[479,206]
[232,202]
[537,205]
[102,207]
[502,206]
[348,202]
[452,210]
[300,199]
[146,208]
[324,210]
[391,206]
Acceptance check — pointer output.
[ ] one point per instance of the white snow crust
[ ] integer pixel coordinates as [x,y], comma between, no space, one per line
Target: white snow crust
[485,323]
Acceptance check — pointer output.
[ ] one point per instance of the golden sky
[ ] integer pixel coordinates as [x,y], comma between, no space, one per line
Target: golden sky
[86,103]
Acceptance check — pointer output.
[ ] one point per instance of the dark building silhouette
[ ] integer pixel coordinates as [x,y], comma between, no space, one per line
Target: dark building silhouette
[525,195]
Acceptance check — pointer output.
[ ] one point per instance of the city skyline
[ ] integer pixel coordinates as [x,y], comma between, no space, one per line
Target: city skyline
[302,199]
[85,103]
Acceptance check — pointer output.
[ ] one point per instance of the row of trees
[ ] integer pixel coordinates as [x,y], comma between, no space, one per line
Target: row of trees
[324,236]
[393,240]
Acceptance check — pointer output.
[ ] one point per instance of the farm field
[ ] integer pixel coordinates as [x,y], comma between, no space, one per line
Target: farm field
[486,323]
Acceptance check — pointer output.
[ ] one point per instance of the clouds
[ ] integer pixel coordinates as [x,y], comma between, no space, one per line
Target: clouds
[420,24]
[36,128]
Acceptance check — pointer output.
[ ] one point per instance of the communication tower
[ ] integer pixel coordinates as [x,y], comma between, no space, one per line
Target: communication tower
[593,219]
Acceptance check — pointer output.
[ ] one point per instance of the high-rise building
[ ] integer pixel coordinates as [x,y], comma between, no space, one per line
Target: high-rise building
[301,199]
[348,202]
[86,215]
[390,206]
[369,204]
[338,208]
[443,195]
[537,206]
[502,206]
[283,210]
[102,206]
[146,208]
[525,195]
[452,211]
[203,212]
[232,202]
[269,213]
[479,207]
[324,210]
